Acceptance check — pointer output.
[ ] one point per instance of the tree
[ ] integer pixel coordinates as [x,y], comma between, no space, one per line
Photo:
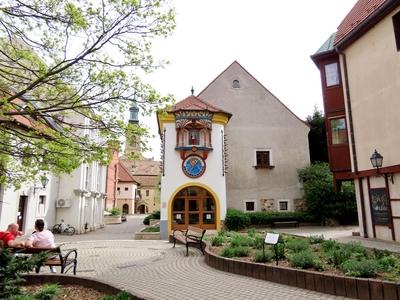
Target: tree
[322,201]
[317,137]
[68,67]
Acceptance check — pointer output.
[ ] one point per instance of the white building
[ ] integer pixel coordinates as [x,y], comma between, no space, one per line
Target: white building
[77,198]
[193,188]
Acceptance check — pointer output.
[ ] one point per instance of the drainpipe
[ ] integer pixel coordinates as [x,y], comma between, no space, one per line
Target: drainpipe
[353,143]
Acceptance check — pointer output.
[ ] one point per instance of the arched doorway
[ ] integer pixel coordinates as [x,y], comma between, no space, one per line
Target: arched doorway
[125,209]
[193,206]
[142,209]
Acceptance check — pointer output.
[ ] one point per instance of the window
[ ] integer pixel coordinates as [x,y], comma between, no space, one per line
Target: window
[338,131]
[396,27]
[41,206]
[118,190]
[147,193]
[332,74]
[126,188]
[283,205]
[236,84]
[263,159]
[250,206]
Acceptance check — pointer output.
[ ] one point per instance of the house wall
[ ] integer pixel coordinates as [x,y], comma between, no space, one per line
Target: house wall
[259,121]
[126,197]
[174,178]
[373,68]
[112,179]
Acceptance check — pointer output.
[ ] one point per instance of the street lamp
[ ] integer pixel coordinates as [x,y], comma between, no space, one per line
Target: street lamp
[376,160]
[44,181]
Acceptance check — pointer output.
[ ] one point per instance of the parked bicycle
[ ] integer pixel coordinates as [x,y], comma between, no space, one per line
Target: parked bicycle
[63,228]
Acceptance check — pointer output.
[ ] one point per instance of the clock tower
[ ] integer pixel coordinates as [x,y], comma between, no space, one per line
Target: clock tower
[132,145]
[193,187]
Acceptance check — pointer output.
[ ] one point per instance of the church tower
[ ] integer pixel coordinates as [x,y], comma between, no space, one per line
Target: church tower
[132,145]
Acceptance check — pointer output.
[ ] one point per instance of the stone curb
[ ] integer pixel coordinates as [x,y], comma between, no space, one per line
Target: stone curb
[351,287]
[62,279]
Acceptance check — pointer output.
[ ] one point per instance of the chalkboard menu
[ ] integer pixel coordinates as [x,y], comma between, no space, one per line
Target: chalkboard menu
[379,205]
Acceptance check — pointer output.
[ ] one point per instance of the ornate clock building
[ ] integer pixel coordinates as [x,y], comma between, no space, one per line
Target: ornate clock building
[193,165]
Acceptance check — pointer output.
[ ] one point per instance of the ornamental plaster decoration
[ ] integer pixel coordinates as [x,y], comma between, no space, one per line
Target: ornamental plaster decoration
[267,204]
[82,193]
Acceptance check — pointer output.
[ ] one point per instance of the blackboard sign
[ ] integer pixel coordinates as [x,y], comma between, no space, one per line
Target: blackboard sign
[379,205]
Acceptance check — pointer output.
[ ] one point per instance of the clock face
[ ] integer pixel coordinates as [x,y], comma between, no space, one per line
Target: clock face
[193,166]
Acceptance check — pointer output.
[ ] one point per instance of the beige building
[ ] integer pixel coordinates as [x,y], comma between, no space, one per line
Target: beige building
[126,190]
[364,54]
[144,171]
[266,143]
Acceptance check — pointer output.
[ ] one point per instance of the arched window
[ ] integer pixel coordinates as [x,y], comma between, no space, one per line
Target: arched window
[236,84]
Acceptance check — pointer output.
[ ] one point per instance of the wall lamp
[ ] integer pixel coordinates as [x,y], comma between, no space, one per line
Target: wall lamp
[44,181]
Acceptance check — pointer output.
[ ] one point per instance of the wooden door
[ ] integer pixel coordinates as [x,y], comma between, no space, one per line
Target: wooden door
[21,212]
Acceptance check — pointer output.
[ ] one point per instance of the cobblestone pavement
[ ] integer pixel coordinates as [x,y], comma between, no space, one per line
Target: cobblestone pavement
[155,270]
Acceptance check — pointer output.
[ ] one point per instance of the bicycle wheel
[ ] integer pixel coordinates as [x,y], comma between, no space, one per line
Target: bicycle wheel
[57,228]
[70,230]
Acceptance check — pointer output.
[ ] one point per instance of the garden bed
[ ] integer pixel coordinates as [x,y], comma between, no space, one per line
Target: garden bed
[311,263]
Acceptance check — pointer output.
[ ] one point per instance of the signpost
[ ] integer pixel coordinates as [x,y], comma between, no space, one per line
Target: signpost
[272,239]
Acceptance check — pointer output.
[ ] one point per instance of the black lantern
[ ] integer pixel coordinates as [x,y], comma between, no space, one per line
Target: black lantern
[44,181]
[376,160]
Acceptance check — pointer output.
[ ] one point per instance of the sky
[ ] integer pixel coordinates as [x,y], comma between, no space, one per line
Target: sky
[271,39]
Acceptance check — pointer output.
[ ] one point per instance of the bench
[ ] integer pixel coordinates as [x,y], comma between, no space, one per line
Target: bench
[192,236]
[278,223]
[56,257]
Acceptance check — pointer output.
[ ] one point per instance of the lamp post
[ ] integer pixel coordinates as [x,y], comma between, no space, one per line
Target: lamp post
[44,181]
[376,160]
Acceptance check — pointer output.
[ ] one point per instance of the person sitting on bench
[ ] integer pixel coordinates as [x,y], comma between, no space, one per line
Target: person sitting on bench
[41,238]
[8,237]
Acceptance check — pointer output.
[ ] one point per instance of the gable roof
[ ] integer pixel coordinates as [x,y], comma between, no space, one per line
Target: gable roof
[362,17]
[123,174]
[360,12]
[276,98]
[195,103]
[145,167]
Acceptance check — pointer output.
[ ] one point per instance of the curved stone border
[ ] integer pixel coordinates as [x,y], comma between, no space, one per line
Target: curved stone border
[62,279]
[358,288]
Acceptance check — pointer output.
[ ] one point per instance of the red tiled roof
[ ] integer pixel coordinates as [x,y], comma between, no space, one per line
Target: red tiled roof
[361,11]
[123,174]
[194,103]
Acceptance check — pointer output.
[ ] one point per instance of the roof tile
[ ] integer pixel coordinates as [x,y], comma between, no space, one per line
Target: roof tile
[361,11]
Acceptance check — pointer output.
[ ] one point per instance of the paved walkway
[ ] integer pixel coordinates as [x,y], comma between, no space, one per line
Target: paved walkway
[155,270]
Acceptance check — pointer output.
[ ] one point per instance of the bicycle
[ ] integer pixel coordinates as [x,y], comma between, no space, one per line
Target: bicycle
[63,228]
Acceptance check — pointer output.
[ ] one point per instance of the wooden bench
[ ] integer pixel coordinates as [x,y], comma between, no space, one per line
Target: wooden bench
[192,236]
[290,223]
[56,257]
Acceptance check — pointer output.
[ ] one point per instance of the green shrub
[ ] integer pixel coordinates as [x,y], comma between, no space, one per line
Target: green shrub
[337,256]
[387,263]
[120,296]
[279,251]
[151,229]
[297,245]
[235,251]
[11,268]
[321,199]
[114,211]
[365,268]
[242,240]
[258,242]
[378,253]
[236,219]
[217,240]
[48,292]
[154,215]
[329,245]
[259,256]
[303,259]
[316,239]
[251,232]
[357,250]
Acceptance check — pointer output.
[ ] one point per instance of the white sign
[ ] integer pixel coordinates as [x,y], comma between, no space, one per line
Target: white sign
[271,238]
[178,217]
[208,216]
